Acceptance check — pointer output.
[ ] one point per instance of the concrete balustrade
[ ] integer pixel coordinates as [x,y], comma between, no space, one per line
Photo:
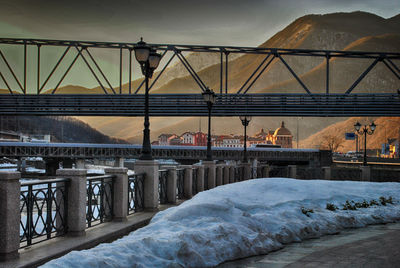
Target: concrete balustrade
[187,181]
[292,171]
[231,174]
[10,188]
[265,171]
[171,185]
[246,171]
[200,178]
[211,173]
[326,173]
[150,168]
[76,200]
[218,176]
[120,194]
[226,174]
[365,173]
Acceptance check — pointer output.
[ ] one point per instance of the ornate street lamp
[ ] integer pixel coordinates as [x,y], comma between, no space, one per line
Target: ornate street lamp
[148,59]
[245,122]
[209,97]
[365,130]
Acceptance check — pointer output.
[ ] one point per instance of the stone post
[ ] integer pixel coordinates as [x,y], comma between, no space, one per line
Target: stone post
[150,168]
[119,162]
[10,189]
[365,173]
[246,171]
[292,171]
[76,204]
[211,173]
[218,177]
[231,173]
[120,206]
[326,173]
[226,174]
[200,178]
[187,181]
[171,185]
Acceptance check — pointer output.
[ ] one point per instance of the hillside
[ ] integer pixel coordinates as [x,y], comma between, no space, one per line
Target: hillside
[387,128]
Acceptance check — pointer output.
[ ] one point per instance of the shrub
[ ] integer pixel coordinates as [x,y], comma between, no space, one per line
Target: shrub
[331,207]
[306,211]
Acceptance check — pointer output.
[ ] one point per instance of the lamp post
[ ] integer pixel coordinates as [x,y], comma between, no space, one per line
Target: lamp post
[148,60]
[209,97]
[365,130]
[245,122]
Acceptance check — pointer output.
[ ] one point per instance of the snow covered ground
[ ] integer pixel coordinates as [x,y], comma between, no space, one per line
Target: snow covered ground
[239,220]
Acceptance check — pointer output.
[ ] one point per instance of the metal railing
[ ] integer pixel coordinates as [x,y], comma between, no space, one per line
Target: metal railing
[308,173]
[345,174]
[180,172]
[206,171]
[195,176]
[279,171]
[43,210]
[100,197]
[136,193]
[162,186]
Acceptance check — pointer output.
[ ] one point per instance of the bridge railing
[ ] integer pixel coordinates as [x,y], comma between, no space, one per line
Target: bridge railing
[99,200]
[136,193]
[180,183]
[162,186]
[43,216]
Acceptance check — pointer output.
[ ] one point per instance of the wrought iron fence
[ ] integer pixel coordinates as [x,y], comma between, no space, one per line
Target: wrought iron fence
[206,171]
[308,173]
[180,183]
[136,192]
[43,210]
[162,186]
[385,175]
[100,199]
[345,174]
[279,171]
[195,175]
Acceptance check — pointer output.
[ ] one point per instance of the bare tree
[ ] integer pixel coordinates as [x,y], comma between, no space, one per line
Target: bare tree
[331,142]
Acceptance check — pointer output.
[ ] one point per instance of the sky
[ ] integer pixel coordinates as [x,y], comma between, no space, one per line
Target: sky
[212,22]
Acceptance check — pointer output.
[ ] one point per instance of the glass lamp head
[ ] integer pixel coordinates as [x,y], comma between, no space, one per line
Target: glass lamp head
[142,51]
[357,126]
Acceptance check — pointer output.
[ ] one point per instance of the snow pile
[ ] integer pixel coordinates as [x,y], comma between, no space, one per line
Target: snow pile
[239,220]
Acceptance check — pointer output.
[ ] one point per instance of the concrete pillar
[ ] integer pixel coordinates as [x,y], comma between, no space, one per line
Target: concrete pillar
[226,174]
[187,181]
[326,173]
[150,168]
[10,189]
[292,171]
[171,185]
[119,162]
[218,177]
[365,173]
[246,171]
[211,173]
[231,174]
[80,163]
[120,206]
[200,178]
[76,206]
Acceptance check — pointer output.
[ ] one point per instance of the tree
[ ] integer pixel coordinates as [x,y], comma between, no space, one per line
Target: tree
[331,142]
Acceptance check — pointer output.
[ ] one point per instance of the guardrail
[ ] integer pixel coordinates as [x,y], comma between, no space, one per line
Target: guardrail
[136,193]
[43,216]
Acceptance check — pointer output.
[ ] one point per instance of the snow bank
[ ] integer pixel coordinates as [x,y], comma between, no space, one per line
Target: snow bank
[239,220]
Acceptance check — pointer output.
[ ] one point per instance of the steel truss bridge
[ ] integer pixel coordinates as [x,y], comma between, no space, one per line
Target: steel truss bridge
[44,100]
[88,151]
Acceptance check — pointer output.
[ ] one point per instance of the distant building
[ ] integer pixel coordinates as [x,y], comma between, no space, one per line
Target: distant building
[165,139]
[188,139]
[282,136]
[200,139]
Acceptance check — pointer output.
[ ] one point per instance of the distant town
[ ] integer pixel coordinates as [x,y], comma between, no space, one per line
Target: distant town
[281,137]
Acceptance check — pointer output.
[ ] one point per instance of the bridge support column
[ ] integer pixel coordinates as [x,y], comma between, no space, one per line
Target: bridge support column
[150,168]
[365,173]
[80,163]
[292,171]
[226,174]
[10,189]
[200,178]
[211,173]
[326,173]
[119,162]
[188,181]
[219,179]
[76,204]
[120,207]
[171,185]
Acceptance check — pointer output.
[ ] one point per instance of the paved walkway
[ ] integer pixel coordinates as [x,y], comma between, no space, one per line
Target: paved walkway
[373,246]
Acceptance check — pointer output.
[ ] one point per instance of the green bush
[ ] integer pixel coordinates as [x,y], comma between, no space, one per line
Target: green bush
[306,211]
[331,207]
